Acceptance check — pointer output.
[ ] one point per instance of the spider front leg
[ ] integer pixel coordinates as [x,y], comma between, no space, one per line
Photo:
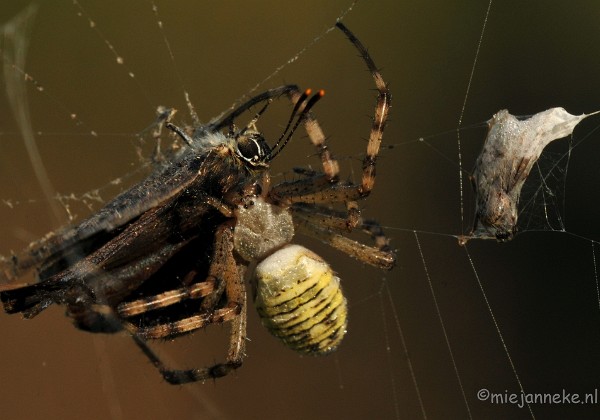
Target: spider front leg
[331,167]
[323,188]
[382,108]
[225,268]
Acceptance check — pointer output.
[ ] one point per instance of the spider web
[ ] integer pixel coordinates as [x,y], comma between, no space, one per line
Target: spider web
[425,337]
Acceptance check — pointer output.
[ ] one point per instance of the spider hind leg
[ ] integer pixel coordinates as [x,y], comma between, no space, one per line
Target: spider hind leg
[230,274]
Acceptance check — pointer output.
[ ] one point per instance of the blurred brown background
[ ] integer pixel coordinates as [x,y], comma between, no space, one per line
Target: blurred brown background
[541,286]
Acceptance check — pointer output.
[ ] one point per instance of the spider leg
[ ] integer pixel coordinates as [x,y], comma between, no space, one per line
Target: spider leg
[150,303]
[109,286]
[90,305]
[185,325]
[222,270]
[323,188]
[331,167]
[382,108]
[310,222]
[225,267]
[235,356]
[312,190]
[317,189]
[333,219]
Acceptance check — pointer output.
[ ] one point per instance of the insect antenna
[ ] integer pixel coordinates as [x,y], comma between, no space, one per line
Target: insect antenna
[226,121]
[299,103]
[311,102]
[254,120]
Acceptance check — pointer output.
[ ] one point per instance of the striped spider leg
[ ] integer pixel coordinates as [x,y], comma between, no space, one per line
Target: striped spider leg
[225,271]
[307,195]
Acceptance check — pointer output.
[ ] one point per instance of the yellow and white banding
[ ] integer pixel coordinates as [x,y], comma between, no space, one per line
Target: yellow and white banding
[299,299]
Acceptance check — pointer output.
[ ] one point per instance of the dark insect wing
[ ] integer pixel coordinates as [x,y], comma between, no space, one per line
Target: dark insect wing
[161,185]
[64,247]
[111,263]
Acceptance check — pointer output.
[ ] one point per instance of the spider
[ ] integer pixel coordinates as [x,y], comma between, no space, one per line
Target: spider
[170,255]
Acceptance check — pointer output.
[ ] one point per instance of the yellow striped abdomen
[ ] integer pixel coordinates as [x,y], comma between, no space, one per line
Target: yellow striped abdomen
[300,300]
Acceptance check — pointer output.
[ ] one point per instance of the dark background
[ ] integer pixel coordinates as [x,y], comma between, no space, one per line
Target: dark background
[541,286]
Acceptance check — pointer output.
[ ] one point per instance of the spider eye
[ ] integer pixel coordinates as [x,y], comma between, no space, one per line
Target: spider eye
[253,148]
